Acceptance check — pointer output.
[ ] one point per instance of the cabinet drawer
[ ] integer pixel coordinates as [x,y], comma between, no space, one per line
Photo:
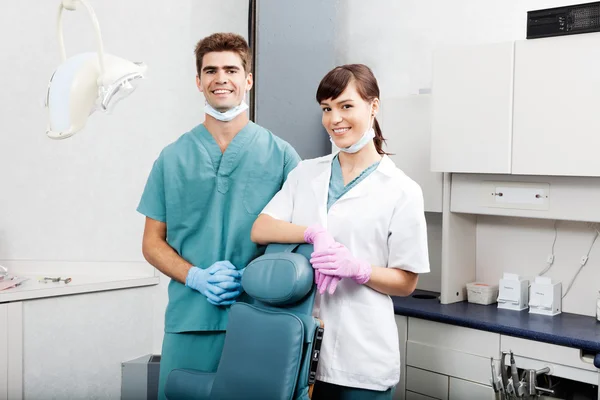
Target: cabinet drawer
[427,382]
[466,340]
[461,390]
[547,352]
[417,396]
[564,371]
[449,362]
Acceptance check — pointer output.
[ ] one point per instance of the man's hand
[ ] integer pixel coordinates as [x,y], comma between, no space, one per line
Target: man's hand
[220,282]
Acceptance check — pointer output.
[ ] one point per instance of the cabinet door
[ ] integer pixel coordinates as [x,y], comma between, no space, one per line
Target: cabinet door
[402,326]
[557,106]
[461,390]
[3,351]
[427,383]
[472,109]
[451,350]
[11,351]
[406,125]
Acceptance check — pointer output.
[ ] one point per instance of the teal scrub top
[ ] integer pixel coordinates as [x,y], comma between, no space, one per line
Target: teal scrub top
[209,201]
[336,181]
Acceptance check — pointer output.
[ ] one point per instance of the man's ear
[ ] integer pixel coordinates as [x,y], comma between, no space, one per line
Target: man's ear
[249,81]
[198,84]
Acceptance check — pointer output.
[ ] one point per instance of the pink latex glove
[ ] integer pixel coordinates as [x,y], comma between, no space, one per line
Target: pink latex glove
[339,261]
[321,241]
[326,282]
[319,237]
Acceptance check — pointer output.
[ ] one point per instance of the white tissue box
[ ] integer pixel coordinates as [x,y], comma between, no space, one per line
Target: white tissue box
[482,293]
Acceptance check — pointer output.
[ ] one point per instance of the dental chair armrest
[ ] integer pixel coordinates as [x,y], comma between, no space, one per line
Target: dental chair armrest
[188,384]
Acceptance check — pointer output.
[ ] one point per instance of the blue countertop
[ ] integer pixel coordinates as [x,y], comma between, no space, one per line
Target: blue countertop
[565,329]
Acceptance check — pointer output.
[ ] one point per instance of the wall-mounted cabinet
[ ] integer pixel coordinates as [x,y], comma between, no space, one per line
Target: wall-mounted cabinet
[557,106]
[524,108]
[406,125]
[472,109]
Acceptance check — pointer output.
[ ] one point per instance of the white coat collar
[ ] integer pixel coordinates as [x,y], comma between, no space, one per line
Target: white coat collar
[386,166]
[320,185]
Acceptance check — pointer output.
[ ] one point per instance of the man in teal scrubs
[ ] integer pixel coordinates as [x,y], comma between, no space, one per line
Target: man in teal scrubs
[202,196]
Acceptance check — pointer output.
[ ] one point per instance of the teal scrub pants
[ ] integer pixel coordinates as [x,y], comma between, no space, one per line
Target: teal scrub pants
[194,350]
[329,391]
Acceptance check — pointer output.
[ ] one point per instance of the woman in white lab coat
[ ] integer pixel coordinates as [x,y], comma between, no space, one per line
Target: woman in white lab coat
[366,220]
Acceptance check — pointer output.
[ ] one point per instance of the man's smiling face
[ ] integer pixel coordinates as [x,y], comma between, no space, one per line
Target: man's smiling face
[223,80]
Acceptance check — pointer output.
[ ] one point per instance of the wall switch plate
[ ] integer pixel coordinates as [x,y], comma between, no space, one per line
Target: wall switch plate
[517,195]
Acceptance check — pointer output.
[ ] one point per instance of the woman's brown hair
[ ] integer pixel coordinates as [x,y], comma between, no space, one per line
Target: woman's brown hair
[336,81]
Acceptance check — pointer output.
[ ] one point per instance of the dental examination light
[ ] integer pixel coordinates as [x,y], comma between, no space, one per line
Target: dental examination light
[86,82]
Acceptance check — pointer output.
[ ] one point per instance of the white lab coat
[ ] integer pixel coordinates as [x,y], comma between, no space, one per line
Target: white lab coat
[381,220]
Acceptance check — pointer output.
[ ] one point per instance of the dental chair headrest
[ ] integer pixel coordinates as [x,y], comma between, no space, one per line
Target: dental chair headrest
[278,279]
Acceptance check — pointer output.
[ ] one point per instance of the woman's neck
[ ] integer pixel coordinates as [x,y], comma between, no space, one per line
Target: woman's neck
[360,160]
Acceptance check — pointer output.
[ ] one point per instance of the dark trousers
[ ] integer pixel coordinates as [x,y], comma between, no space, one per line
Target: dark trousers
[329,391]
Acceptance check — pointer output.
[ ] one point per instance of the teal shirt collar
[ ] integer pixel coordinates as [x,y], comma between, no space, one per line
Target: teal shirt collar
[225,163]
[337,189]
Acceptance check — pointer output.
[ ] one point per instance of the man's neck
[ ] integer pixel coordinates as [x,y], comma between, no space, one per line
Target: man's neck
[224,132]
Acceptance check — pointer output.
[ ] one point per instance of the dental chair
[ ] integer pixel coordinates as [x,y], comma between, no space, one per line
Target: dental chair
[271,346]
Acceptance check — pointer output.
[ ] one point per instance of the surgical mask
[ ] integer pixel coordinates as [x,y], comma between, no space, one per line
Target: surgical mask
[227,115]
[362,142]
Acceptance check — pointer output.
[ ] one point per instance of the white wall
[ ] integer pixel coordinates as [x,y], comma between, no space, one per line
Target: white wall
[396,38]
[522,245]
[432,280]
[75,200]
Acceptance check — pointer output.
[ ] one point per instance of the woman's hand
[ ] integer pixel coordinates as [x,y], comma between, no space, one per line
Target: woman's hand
[339,261]
[336,263]
[321,241]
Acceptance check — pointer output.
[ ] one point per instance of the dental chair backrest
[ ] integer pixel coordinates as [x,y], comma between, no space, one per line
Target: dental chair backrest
[269,345]
[282,278]
[272,345]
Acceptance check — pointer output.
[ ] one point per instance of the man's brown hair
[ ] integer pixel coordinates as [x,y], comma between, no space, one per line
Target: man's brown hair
[224,42]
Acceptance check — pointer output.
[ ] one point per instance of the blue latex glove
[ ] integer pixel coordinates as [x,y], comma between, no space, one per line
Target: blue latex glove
[226,290]
[220,282]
